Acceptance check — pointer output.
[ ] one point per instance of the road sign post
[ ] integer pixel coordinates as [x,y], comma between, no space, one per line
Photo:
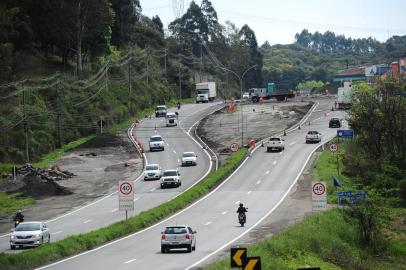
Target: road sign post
[126,196]
[319,196]
[333,148]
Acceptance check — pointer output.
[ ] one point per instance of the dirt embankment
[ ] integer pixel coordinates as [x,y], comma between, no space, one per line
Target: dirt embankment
[223,128]
[97,166]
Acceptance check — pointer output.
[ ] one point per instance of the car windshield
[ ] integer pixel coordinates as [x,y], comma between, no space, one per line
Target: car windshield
[312,133]
[160,108]
[188,154]
[151,167]
[171,116]
[335,119]
[170,173]
[156,139]
[175,230]
[28,227]
[274,139]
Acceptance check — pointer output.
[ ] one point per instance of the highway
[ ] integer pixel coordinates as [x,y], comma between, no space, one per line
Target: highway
[148,194]
[261,183]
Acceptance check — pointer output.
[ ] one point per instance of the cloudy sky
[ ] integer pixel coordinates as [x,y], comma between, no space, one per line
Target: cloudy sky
[278,21]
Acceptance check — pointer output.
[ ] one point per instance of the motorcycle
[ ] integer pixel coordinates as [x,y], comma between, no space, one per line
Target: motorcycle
[178,106]
[16,223]
[242,219]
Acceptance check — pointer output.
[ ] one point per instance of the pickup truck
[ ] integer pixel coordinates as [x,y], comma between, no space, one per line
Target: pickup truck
[275,143]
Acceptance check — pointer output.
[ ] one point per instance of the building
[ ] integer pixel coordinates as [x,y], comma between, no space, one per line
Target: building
[350,75]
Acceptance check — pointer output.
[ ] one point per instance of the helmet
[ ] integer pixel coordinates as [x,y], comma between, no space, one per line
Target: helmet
[241,204]
[19,211]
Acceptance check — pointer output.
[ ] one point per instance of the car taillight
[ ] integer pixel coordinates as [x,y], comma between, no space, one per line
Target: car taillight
[187,236]
[163,237]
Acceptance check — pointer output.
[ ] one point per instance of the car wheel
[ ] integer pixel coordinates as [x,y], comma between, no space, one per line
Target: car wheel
[163,250]
[49,239]
[12,247]
[162,187]
[194,247]
[189,248]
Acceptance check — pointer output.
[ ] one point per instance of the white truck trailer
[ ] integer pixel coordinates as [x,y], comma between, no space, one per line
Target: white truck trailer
[344,96]
[206,91]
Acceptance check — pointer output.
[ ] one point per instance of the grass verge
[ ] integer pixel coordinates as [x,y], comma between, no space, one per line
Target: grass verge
[79,243]
[328,240]
[11,203]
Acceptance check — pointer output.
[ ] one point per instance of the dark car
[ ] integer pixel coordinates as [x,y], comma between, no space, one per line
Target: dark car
[334,123]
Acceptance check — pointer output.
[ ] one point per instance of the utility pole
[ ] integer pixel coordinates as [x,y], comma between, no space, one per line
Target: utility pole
[27,154]
[165,62]
[59,114]
[201,60]
[180,82]
[129,77]
[147,60]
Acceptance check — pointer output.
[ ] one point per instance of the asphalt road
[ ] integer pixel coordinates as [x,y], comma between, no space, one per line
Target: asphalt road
[261,183]
[148,194]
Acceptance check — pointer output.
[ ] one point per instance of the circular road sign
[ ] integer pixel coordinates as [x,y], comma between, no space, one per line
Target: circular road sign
[125,188]
[234,147]
[319,189]
[333,147]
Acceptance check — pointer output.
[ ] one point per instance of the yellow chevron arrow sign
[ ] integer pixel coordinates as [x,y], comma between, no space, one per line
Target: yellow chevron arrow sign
[252,263]
[238,256]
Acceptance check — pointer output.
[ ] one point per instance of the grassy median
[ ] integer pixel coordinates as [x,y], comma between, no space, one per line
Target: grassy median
[79,243]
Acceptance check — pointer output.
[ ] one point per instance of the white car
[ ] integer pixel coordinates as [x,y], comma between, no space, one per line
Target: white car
[171,119]
[313,136]
[189,158]
[275,143]
[30,234]
[152,172]
[156,143]
[171,178]
[246,96]
[179,236]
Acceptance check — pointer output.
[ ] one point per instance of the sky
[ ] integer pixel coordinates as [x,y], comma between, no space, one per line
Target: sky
[277,21]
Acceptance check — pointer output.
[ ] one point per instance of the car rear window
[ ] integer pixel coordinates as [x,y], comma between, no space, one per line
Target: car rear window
[312,132]
[274,139]
[170,173]
[160,108]
[151,167]
[175,230]
[188,155]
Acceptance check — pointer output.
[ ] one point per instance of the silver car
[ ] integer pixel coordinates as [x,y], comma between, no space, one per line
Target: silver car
[179,236]
[30,234]
[171,178]
[152,171]
[189,158]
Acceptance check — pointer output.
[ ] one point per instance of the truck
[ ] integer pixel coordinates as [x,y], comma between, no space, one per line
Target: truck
[270,92]
[344,96]
[206,91]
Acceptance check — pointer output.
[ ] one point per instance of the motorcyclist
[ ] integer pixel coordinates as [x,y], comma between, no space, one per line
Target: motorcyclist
[18,218]
[178,105]
[242,209]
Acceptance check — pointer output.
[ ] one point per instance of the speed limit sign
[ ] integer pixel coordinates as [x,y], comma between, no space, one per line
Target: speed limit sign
[234,147]
[319,196]
[126,195]
[333,147]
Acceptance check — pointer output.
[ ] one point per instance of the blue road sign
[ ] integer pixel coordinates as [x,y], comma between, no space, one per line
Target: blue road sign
[345,133]
[352,197]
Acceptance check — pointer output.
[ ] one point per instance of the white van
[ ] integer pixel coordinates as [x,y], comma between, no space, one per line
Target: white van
[171,119]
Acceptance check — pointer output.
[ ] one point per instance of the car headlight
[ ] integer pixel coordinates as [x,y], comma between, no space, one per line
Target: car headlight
[37,235]
[13,237]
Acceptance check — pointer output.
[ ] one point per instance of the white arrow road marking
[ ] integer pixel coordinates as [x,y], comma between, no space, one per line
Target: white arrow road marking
[249,192]
[225,212]
[114,210]
[56,232]
[208,223]
[130,261]
[87,221]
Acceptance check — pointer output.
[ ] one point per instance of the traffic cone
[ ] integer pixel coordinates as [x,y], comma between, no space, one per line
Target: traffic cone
[332,108]
[284,132]
[299,127]
[309,122]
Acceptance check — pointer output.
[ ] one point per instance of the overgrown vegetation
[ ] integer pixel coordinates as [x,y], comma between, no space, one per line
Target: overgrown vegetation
[80,243]
[9,204]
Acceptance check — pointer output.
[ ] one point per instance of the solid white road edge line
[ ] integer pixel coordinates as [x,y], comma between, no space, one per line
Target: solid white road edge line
[264,217]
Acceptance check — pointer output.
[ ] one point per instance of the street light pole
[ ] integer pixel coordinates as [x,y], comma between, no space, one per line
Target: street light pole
[240,78]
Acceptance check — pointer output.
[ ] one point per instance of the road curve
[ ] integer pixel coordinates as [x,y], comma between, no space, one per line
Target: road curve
[104,211]
[261,183]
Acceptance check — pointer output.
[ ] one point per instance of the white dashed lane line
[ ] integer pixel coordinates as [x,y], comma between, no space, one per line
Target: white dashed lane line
[225,212]
[56,232]
[274,163]
[114,210]
[292,143]
[249,192]
[87,221]
[174,151]
[237,202]
[267,172]
[130,261]
[258,182]
[208,223]
[136,199]
[152,190]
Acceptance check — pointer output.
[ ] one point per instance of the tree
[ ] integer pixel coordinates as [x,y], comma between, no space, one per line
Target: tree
[304,38]
[127,13]
[159,26]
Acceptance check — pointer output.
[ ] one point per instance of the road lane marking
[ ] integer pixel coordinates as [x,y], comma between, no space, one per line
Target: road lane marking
[258,182]
[152,190]
[114,210]
[274,163]
[130,261]
[225,212]
[237,202]
[280,153]
[208,223]
[136,199]
[178,160]
[292,143]
[56,232]
[167,144]
[249,192]
[87,221]
[267,172]
[174,151]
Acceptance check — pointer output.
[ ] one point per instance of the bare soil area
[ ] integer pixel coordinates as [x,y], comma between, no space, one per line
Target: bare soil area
[223,128]
[97,166]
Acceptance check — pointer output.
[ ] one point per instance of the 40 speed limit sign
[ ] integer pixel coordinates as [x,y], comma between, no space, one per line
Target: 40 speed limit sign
[126,195]
[319,195]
